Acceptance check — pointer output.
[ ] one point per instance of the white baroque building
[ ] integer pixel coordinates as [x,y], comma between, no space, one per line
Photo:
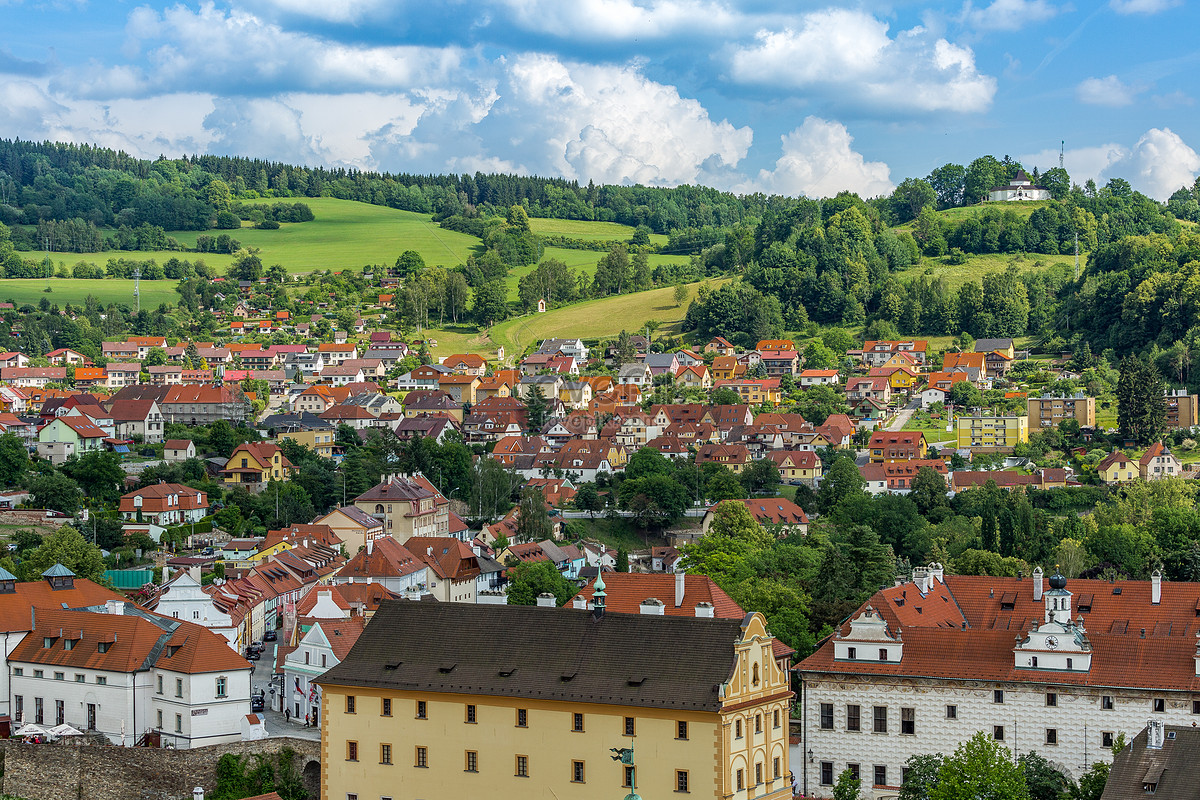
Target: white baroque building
[1060,671]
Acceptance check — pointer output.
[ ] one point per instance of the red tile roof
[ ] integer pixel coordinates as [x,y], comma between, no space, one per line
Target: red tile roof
[625,592]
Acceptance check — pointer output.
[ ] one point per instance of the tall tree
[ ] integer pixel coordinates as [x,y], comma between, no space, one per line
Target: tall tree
[65,546]
[981,769]
[1141,409]
[533,521]
[14,459]
[536,409]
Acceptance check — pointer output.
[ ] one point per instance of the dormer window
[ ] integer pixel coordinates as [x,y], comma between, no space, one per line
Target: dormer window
[852,652]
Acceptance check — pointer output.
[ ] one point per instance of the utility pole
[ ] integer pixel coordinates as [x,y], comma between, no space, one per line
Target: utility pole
[137,292]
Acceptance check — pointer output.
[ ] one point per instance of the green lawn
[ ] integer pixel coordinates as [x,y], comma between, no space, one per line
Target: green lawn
[977,266]
[594,319]
[66,290]
[582,229]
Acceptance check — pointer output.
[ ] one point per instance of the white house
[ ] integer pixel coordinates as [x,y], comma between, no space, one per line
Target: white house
[1019,188]
[183,598]
[320,645]
[125,672]
[568,347]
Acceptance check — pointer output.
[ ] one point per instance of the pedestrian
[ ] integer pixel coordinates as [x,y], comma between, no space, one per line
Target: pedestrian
[287,715]
[307,722]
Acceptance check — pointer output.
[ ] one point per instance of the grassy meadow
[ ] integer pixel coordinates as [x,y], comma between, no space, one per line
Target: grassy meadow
[582,229]
[976,266]
[65,290]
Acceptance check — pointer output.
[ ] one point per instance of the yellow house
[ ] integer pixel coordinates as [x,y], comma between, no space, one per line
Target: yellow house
[797,466]
[899,378]
[320,440]
[1117,467]
[755,392]
[253,464]
[993,434]
[466,700]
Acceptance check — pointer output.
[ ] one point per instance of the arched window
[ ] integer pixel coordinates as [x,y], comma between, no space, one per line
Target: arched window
[755,678]
[379,508]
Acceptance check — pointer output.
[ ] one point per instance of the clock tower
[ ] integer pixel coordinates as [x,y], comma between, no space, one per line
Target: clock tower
[1058,643]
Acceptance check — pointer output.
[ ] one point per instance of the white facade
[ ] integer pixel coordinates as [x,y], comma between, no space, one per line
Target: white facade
[184,599]
[312,658]
[198,709]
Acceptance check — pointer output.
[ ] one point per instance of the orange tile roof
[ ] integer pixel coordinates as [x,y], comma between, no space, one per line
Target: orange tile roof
[625,592]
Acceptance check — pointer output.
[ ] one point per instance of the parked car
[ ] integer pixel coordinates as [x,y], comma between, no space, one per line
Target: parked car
[257,702]
[270,636]
[252,654]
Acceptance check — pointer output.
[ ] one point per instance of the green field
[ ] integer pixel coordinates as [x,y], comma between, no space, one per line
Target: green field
[64,290]
[594,319]
[350,234]
[582,229]
[977,266]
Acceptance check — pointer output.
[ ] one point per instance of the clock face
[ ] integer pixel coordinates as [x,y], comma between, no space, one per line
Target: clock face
[1052,642]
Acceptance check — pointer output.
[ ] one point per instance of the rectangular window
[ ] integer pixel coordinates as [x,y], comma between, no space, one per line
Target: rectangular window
[385,754]
[37,673]
[80,678]
[522,718]
[880,775]
[60,715]
[159,725]
[681,780]
[1196,706]
[352,751]
[758,723]
[1106,739]
[852,718]
[883,654]
[386,709]
[59,676]
[102,680]
[852,652]
[775,715]
[997,695]
[629,777]
[179,723]
[221,686]
[880,719]
[737,729]
[951,712]
[681,729]
[421,710]
[522,766]
[577,722]
[1051,736]
[577,774]
[758,774]
[1052,699]
[826,716]
[1106,702]
[19,703]
[39,710]
[179,687]
[908,721]
[854,771]
[630,727]
[827,773]
[775,767]
[18,671]
[350,703]
[1160,705]
[998,733]
[422,758]
[471,714]
[741,779]
[472,761]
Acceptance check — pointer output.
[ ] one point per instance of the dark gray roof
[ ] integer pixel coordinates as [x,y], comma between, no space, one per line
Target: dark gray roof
[543,653]
[1175,767]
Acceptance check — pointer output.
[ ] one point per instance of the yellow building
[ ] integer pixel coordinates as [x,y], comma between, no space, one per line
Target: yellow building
[1047,411]
[454,700]
[992,434]
[320,441]
[253,464]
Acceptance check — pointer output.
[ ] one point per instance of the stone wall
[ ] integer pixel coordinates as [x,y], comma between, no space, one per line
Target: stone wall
[100,772]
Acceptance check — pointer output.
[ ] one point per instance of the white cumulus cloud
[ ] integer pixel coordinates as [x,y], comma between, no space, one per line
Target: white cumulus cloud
[1007,15]
[1108,91]
[1158,164]
[819,161]
[848,56]
[621,19]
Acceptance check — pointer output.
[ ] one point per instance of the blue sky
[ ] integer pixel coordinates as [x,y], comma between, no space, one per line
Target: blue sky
[764,95]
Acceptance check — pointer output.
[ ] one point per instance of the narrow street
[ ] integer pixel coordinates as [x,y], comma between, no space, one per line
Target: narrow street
[904,415]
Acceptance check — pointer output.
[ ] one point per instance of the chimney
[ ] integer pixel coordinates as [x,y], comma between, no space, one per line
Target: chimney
[921,579]
[1037,584]
[546,600]
[1156,587]
[937,572]
[116,607]
[194,571]
[198,793]
[679,585]
[370,546]
[428,551]
[705,610]
[1154,734]
[579,603]
[652,606]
